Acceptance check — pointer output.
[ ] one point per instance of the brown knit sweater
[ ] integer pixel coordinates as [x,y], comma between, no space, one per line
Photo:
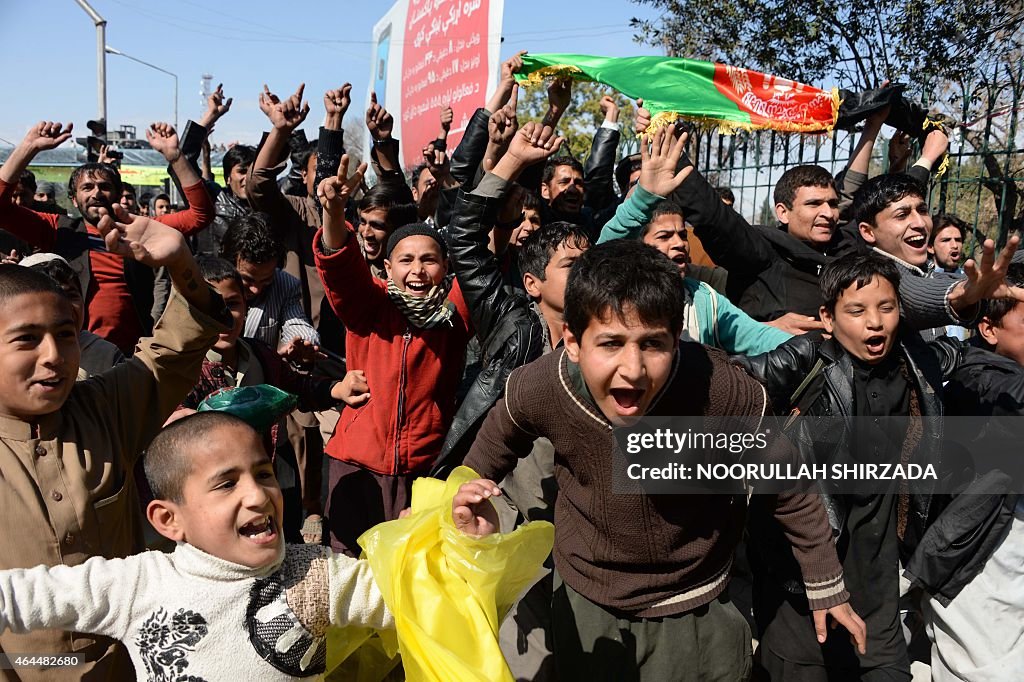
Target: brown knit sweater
[644,555]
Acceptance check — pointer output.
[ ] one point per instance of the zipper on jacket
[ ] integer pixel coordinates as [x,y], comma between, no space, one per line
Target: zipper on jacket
[406,337]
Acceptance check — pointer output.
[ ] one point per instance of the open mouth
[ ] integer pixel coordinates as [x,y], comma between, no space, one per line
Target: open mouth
[627,400]
[417,288]
[875,344]
[916,241]
[261,531]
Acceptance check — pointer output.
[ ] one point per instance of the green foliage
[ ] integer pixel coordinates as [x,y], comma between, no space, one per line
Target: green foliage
[852,45]
[583,117]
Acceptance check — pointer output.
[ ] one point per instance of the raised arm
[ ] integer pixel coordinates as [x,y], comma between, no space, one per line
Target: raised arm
[39,230]
[476,267]
[200,213]
[285,116]
[936,143]
[559,94]
[476,140]
[330,143]
[985,279]
[660,154]
[157,245]
[385,147]
[351,290]
[857,170]
[140,394]
[599,170]
[262,190]
[501,127]
[726,236]
[446,116]
[93,597]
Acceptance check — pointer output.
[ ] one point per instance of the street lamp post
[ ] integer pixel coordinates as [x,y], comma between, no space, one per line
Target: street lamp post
[101,57]
[111,50]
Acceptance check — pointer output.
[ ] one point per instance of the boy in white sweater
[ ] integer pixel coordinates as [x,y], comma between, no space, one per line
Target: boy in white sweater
[232,601]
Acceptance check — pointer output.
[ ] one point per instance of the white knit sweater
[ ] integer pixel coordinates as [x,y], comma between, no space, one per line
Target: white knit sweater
[191,616]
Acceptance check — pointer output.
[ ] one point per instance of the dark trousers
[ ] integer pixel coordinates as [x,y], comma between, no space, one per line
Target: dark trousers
[360,499]
[776,669]
[592,644]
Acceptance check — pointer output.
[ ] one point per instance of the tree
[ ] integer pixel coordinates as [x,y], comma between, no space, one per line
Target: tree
[965,57]
[856,45]
[583,117]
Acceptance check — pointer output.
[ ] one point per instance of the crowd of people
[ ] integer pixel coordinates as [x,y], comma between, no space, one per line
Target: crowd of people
[506,307]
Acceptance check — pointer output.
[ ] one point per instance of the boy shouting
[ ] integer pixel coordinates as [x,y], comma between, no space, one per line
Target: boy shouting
[640,579]
[67,449]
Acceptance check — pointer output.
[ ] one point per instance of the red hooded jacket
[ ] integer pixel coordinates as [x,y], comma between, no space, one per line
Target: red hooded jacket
[412,373]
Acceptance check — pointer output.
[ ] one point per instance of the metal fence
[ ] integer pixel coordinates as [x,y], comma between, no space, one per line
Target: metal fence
[983,185]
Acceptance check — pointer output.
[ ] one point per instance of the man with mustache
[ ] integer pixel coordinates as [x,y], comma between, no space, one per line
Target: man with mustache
[118,294]
[946,242]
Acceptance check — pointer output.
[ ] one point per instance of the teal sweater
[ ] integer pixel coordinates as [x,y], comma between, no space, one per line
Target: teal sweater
[711,319]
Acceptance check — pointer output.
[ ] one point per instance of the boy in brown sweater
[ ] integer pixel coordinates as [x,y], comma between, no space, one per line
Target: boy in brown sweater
[640,579]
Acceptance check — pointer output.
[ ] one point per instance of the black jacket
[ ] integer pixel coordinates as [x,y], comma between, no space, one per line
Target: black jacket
[598,174]
[510,333]
[772,273]
[955,548]
[830,393]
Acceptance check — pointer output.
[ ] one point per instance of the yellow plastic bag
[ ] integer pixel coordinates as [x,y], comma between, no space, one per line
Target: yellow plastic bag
[448,591]
[361,655]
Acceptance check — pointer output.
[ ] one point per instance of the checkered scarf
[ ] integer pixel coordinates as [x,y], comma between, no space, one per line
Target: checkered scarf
[427,311]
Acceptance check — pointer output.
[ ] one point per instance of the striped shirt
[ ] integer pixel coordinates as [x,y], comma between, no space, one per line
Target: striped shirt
[276,317]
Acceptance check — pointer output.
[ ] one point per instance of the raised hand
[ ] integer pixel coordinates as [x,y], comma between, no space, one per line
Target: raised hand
[642,119]
[447,116]
[337,101]
[289,114]
[163,138]
[133,236]
[335,191]
[268,100]
[46,135]
[987,279]
[899,152]
[610,109]
[105,156]
[504,123]
[559,93]
[658,165]
[438,164]
[936,143]
[216,106]
[472,511]
[378,120]
[509,68]
[533,143]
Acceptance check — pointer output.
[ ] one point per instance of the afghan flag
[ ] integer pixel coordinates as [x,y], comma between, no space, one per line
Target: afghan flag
[705,93]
